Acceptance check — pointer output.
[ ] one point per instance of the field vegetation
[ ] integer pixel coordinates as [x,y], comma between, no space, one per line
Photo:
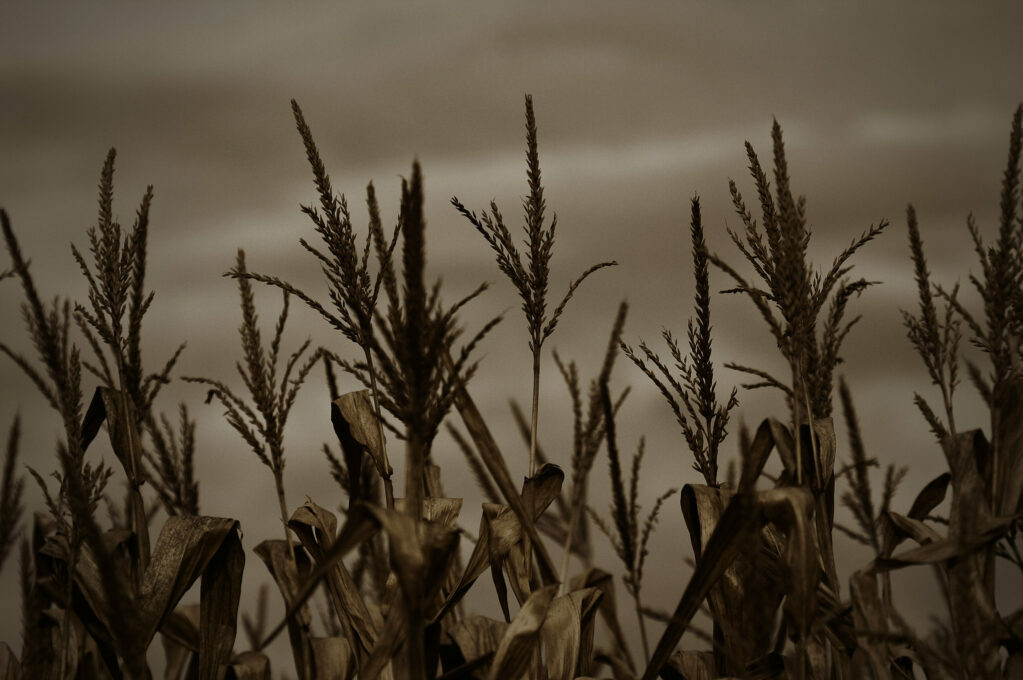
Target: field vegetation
[383,586]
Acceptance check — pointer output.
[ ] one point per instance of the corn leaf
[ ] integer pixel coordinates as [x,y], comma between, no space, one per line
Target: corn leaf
[357,428]
[332,658]
[249,666]
[315,527]
[492,457]
[738,525]
[289,574]
[10,669]
[522,636]
[604,582]
[566,635]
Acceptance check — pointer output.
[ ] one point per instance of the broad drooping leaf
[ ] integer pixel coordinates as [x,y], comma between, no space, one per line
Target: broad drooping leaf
[604,582]
[332,658]
[501,531]
[745,600]
[290,574]
[515,652]
[474,639]
[315,527]
[494,461]
[421,552]
[358,430]
[566,635]
[249,666]
[188,547]
[736,529]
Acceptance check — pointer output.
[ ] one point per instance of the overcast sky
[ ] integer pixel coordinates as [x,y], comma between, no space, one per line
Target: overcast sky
[640,107]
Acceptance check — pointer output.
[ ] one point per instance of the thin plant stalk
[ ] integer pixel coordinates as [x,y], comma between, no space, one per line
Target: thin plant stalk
[388,484]
[642,626]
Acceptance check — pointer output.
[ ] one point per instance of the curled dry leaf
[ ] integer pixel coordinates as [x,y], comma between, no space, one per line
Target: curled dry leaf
[332,659]
[566,635]
[493,459]
[500,531]
[249,666]
[289,574]
[746,599]
[315,527]
[357,428]
[930,497]
[520,639]
[604,582]
[475,638]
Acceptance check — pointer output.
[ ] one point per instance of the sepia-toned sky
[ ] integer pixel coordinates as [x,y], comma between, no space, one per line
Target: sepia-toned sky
[640,107]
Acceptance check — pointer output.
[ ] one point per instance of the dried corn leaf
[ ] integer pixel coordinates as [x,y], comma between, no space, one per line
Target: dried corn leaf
[690,665]
[220,592]
[930,497]
[944,550]
[92,607]
[566,635]
[755,458]
[249,666]
[10,669]
[289,578]
[180,634]
[477,637]
[359,526]
[738,525]
[971,526]
[792,509]
[332,659]
[500,531]
[744,602]
[522,636]
[112,406]
[421,553]
[187,548]
[1008,487]
[604,582]
[357,428]
[494,461]
[871,657]
[442,511]
[315,527]
[908,527]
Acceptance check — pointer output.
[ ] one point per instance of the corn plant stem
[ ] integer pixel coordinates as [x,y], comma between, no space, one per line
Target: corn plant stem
[796,379]
[65,628]
[140,526]
[532,454]
[388,484]
[535,660]
[569,537]
[279,487]
[642,625]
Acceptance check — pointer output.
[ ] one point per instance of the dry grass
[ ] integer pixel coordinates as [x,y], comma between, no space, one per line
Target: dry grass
[389,582]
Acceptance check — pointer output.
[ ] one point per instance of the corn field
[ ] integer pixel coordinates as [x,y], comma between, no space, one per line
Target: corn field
[380,582]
